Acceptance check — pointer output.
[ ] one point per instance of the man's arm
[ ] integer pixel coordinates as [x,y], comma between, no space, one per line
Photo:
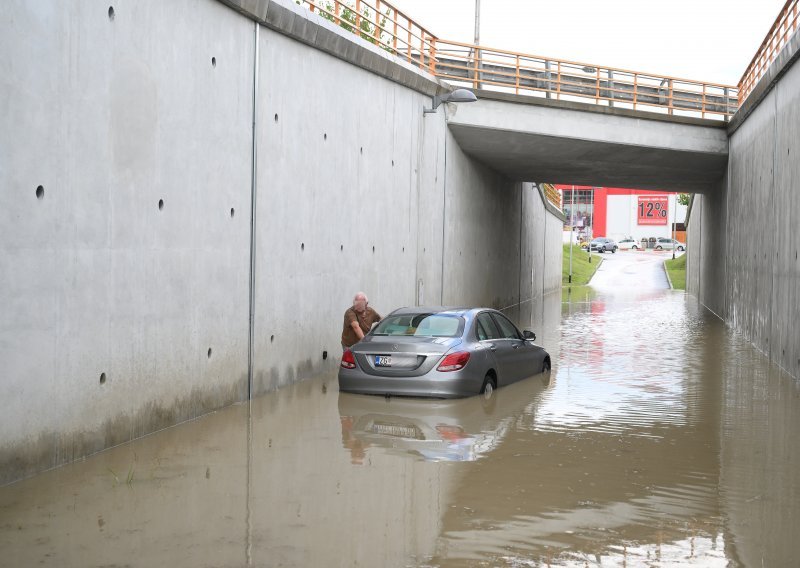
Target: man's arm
[357,329]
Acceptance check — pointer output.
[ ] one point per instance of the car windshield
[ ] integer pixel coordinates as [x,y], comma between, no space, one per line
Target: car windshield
[421,325]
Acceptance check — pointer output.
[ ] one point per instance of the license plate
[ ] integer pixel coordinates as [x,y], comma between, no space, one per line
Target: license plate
[383,360]
[395,430]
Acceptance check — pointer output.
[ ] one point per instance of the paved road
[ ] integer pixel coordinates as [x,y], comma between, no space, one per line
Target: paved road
[632,270]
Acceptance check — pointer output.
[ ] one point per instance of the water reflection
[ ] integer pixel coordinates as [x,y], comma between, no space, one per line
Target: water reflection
[437,430]
[660,439]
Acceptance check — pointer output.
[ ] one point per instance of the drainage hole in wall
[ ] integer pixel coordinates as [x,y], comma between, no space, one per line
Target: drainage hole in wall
[160,204]
[209,352]
[325,136]
[392,163]
[102,378]
[276,117]
[40,192]
[341,247]
[324,355]
[302,246]
[271,338]
[362,149]
[373,248]
[213,62]
[233,212]
[111,13]
[404,249]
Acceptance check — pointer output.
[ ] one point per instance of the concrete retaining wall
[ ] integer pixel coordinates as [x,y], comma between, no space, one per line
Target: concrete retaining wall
[125,279]
[743,239]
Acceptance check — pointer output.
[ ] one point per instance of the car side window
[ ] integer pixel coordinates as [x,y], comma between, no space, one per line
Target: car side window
[507,328]
[487,328]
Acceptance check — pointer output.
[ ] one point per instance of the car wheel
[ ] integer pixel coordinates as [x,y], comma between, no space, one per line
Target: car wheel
[634,247]
[613,250]
[659,247]
[488,398]
[489,386]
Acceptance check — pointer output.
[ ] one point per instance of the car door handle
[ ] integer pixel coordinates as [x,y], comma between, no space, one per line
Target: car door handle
[516,346]
[492,347]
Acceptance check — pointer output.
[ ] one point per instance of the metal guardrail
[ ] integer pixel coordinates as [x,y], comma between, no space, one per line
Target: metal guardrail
[552,194]
[776,39]
[380,23]
[497,69]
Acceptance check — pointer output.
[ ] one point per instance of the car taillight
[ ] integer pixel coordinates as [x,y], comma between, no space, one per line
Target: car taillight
[348,360]
[454,362]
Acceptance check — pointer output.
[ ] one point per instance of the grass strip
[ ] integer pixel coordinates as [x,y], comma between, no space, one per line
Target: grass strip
[676,269]
[582,269]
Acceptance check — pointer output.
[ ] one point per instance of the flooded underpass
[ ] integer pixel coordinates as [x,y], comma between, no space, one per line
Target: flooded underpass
[659,438]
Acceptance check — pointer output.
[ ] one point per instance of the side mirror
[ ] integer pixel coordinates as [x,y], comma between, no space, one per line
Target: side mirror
[529,335]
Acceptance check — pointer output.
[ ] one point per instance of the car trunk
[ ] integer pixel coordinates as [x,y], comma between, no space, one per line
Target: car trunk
[393,356]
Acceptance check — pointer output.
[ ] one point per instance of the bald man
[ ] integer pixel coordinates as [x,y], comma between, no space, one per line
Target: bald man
[358,320]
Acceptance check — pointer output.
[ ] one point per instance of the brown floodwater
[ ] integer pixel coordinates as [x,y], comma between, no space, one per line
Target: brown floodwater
[660,438]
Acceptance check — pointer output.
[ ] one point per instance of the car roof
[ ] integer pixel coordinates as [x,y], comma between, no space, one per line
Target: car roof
[450,310]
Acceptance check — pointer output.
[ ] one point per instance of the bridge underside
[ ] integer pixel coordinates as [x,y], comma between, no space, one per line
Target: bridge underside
[528,138]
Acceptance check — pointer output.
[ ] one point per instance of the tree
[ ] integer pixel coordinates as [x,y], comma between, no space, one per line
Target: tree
[683,198]
[349,20]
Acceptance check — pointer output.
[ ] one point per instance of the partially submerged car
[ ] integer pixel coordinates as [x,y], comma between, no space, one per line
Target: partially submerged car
[441,353]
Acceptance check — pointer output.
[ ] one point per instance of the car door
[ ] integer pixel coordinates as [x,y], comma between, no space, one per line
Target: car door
[517,353]
[490,338]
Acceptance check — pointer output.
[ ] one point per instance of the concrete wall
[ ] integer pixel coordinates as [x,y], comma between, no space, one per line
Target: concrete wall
[743,238]
[110,304]
[121,317]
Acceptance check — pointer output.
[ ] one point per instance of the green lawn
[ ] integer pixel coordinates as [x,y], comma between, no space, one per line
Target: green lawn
[677,272]
[582,269]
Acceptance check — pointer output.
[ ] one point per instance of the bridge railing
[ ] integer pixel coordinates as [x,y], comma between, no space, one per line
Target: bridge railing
[776,39]
[508,71]
[380,23]
[552,194]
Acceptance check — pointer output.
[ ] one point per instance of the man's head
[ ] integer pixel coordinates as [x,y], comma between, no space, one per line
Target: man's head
[360,302]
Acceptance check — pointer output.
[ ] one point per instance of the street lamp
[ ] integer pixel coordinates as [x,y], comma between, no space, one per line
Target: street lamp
[571,228]
[674,219]
[457,96]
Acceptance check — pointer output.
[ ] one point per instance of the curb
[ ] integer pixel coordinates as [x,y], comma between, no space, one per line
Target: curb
[669,280]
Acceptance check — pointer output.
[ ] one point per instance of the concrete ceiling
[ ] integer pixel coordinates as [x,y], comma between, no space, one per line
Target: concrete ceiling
[540,140]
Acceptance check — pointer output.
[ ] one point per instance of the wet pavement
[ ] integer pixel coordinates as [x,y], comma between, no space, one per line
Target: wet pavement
[660,438]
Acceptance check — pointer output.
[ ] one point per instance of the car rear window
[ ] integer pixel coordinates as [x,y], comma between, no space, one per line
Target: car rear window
[421,325]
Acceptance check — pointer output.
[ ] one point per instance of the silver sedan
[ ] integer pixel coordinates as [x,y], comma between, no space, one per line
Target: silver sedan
[441,353]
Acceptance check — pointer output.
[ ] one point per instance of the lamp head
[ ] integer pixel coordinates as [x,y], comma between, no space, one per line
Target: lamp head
[457,96]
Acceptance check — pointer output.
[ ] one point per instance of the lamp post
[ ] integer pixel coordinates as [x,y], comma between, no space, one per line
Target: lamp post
[588,226]
[674,219]
[571,228]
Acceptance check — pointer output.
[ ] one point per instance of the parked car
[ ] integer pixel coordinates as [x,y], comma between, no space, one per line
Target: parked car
[628,243]
[441,353]
[603,244]
[668,244]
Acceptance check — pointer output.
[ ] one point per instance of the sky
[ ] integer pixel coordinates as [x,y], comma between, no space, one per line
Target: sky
[703,40]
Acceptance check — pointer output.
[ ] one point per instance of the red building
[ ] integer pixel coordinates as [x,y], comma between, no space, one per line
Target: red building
[616,212]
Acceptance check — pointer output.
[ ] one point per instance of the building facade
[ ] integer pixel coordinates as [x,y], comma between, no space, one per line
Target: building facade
[618,213]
